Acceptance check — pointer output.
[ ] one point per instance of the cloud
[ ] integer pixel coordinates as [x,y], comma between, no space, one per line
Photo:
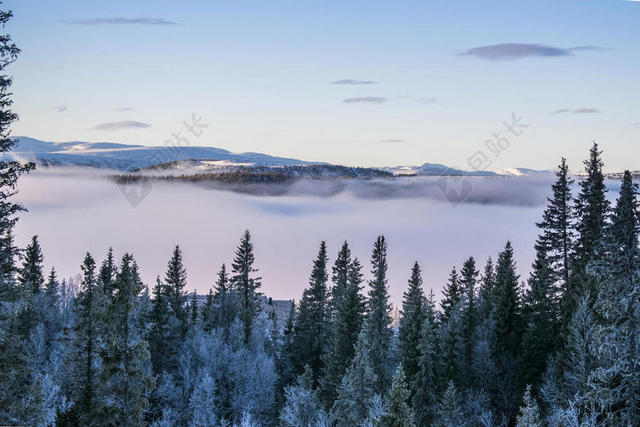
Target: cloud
[427,100]
[353,82]
[119,20]
[60,108]
[578,111]
[392,141]
[366,100]
[637,124]
[125,124]
[123,109]
[506,51]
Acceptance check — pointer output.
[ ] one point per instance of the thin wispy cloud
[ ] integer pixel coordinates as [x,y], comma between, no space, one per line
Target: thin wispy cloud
[122,125]
[353,82]
[577,111]
[120,20]
[510,51]
[60,108]
[366,100]
[637,124]
[427,100]
[392,141]
[122,109]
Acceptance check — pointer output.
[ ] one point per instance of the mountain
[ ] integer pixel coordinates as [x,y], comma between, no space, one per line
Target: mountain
[124,157]
[434,169]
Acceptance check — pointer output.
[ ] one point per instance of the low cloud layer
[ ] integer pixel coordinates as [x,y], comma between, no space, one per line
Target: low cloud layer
[353,82]
[60,108]
[119,20]
[588,110]
[122,125]
[366,100]
[510,51]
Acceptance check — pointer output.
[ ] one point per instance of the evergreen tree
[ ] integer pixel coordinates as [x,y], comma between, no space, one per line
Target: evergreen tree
[508,329]
[202,403]
[107,273]
[284,361]
[413,318]
[468,281]
[425,382]
[245,284]
[340,277]
[591,211]
[125,377]
[398,412]
[451,294]
[175,282]
[529,414]
[159,336]
[486,290]
[311,328]
[348,321]
[31,277]
[52,287]
[87,343]
[449,410]
[356,394]
[377,320]
[225,301]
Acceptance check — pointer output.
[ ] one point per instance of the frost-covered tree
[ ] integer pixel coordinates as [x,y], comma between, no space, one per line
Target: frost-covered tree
[302,406]
[468,281]
[450,411]
[397,410]
[425,382]
[245,283]
[107,273]
[175,282]
[356,394]
[31,276]
[202,403]
[376,325]
[411,322]
[451,294]
[529,415]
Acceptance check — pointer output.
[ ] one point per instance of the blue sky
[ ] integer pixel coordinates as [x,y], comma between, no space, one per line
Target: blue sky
[260,72]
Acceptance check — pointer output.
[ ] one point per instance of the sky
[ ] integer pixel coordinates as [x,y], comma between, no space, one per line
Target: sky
[369,83]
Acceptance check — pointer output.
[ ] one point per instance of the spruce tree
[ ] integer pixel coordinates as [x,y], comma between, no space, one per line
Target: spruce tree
[398,411]
[107,273]
[345,328]
[311,328]
[377,320]
[468,281]
[224,298]
[357,392]
[529,413]
[126,379]
[175,282]
[302,407]
[508,329]
[159,340]
[425,382]
[87,341]
[246,284]
[486,290]
[450,412]
[411,322]
[31,277]
[451,294]
[591,211]
[340,277]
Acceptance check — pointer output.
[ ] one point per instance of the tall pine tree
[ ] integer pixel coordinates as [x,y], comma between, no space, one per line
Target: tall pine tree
[413,318]
[246,284]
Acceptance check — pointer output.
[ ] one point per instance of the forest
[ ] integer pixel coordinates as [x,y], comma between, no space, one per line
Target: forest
[559,347]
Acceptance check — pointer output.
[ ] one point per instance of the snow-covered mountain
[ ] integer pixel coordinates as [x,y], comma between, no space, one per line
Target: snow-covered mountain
[125,157]
[434,169]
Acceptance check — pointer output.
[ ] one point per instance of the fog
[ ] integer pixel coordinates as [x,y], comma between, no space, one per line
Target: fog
[74,211]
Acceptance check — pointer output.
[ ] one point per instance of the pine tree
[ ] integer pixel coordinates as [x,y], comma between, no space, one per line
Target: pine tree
[107,273]
[377,319]
[451,294]
[207,312]
[175,282]
[245,284]
[486,290]
[449,410]
[468,281]
[508,327]
[159,336]
[340,277]
[311,328]
[86,345]
[125,377]
[346,326]
[529,413]
[52,288]
[356,394]
[225,300]
[284,362]
[591,211]
[413,318]
[398,412]
[31,277]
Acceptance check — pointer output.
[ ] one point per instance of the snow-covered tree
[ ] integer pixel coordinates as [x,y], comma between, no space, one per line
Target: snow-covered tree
[302,406]
[398,412]
[411,322]
[529,415]
[245,283]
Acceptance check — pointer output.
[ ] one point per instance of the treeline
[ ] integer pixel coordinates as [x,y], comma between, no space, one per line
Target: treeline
[559,350]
